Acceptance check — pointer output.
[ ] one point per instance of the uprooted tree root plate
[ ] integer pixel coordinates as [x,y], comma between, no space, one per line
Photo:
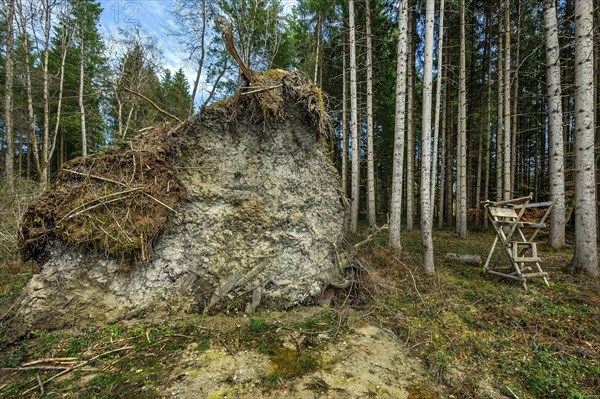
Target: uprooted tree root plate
[118,201]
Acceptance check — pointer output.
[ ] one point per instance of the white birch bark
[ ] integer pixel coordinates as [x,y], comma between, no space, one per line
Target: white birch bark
[353,120]
[586,255]
[370,156]
[556,147]
[461,197]
[426,208]
[397,172]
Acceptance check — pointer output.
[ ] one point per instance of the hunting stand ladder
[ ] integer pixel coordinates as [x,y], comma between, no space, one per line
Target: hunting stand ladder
[519,246]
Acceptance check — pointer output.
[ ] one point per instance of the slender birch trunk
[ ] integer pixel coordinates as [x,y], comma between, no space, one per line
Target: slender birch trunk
[438,105]
[556,146]
[370,157]
[461,203]
[8,96]
[353,120]
[426,200]
[397,172]
[507,131]
[410,138]
[344,124]
[586,254]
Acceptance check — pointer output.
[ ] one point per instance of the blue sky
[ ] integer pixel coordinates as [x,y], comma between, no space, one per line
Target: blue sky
[153,18]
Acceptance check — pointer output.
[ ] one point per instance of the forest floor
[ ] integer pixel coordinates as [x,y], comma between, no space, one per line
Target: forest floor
[401,334]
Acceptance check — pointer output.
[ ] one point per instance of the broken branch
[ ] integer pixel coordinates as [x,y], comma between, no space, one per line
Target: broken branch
[152,103]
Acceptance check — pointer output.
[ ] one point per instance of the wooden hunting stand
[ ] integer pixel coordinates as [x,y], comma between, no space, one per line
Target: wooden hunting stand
[519,247]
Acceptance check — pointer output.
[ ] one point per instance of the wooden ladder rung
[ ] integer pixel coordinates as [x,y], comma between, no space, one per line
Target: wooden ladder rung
[522,243]
[528,259]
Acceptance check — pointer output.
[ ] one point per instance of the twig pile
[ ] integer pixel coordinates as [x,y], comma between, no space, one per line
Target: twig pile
[116,202]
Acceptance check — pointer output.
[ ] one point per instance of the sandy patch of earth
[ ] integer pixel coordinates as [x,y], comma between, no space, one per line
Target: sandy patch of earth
[367,363]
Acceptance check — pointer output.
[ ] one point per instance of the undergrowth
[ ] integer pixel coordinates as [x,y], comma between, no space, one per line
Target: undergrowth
[480,336]
[483,336]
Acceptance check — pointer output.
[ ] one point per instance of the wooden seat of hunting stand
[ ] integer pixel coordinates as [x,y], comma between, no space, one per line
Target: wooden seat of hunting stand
[516,238]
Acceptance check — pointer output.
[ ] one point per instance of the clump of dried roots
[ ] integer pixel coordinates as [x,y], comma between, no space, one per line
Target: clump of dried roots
[116,202]
[265,98]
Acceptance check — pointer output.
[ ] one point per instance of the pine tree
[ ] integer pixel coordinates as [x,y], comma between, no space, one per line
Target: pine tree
[461,166]
[8,96]
[398,162]
[586,254]
[370,156]
[557,177]
[354,120]
[426,201]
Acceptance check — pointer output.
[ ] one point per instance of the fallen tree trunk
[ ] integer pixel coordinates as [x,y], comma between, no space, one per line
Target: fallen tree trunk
[474,260]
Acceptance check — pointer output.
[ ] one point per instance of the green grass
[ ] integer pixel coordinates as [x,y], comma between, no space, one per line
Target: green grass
[472,328]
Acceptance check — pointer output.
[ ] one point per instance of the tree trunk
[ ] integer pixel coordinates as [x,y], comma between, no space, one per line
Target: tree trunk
[30,113]
[410,138]
[426,202]
[445,170]
[438,101]
[450,157]
[515,106]
[203,15]
[500,109]
[586,255]
[556,173]
[81,85]
[488,140]
[318,48]
[353,121]
[372,215]
[461,194]
[8,99]
[482,127]
[396,203]
[507,131]
[344,123]
[45,164]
